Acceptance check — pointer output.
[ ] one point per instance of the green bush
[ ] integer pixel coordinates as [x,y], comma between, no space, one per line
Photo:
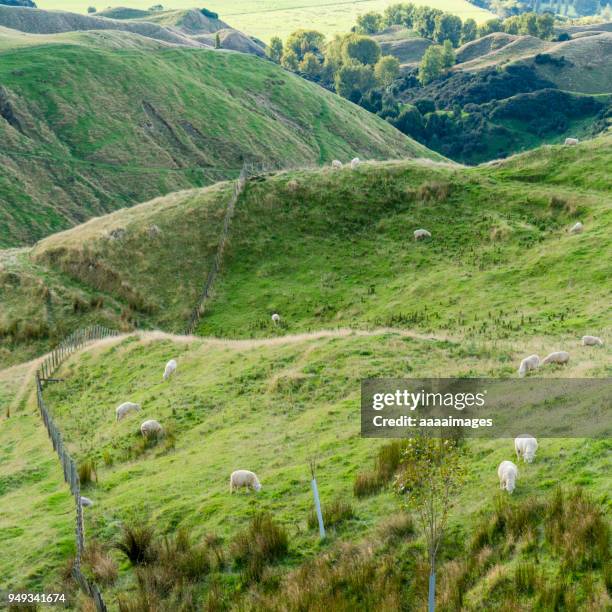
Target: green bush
[333,514]
[262,543]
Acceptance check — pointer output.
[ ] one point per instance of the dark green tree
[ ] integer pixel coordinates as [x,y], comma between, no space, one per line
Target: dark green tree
[432,65]
[369,23]
[353,80]
[448,54]
[469,31]
[275,49]
[447,27]
[386,70]
[359,48]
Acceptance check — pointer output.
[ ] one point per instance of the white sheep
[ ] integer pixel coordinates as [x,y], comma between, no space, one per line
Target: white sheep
[560,357]
[577,228]
[355,162]
[336,164]
[421,233]
[591,341]
[151,428]
[85,501]
[124,409]
[529,363]
[571,141]
[244,478]
[525,447]
[508,474]
[170,368]
[276,318]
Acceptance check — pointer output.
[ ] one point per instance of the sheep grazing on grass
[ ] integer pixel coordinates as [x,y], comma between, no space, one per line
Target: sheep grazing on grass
[85,502]
[577,228]
[421,234]
[170,368]
[591,341]
[529,363]
[125,408]
[355,162]
[244,478]
[336,164]
[151,428]
[571,141]
[276,319]
[560,357]
[525,447]
[508,473]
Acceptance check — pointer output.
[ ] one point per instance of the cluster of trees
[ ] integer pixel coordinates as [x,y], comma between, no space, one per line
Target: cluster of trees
[530,23]
[430,23]
[352,64]
[439,26]
[506,8]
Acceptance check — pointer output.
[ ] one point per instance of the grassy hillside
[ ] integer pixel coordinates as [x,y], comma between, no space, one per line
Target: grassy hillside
[289,227]
[579,65]
[122,125]
[268,406]
[268,18]
[326,249]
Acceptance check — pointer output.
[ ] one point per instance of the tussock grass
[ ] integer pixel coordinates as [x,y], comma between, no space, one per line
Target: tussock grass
[137,544]
[101,565]
[261,543]
[334,514]
[87,472]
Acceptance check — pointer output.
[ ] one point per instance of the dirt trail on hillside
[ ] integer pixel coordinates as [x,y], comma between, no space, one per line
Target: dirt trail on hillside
[343,332]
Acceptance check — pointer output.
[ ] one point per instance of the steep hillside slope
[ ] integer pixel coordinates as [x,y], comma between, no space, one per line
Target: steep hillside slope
[36,21]
[508,246]
[269,405]
[581,64]
[325,249]
[89,128]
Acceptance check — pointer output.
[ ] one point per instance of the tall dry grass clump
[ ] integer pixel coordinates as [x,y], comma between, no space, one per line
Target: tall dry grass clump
[347,579]
[334,514]
[87,472]
[263,542]
[385,467]
[137,544]
[99,562]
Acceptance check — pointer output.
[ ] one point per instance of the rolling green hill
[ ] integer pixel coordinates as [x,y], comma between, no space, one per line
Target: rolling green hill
[519,210]
[580,64]
[269,405]
[329,250]
[97,122]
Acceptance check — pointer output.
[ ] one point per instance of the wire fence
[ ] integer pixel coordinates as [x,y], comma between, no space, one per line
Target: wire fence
[44,376]
[78,339]
[248,170]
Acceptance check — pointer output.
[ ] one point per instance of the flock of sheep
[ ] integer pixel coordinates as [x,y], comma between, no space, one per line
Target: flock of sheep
[525,447]
[533,362]
[151,427]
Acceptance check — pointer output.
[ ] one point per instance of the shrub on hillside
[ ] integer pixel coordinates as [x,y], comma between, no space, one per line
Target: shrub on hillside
[101,565]
[366,483]
[87,472]
[334,513]
[137,544]
[261,543]
[209,14]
